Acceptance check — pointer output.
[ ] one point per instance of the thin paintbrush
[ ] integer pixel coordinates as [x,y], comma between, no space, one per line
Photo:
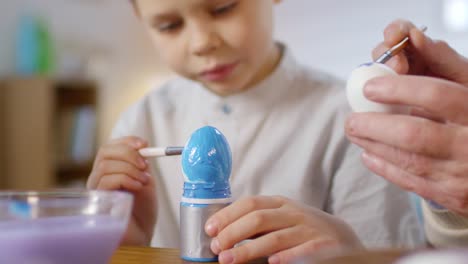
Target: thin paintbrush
[396,49]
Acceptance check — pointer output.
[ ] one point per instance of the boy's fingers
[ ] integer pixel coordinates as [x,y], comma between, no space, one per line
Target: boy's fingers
[307,249]
[108,167]
[120,152]
[231,213]
[266,245]
[250,225]
[131,141]
[119,182]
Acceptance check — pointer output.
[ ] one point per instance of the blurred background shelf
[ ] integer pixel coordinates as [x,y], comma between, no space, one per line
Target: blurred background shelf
[48,132]
[73,174]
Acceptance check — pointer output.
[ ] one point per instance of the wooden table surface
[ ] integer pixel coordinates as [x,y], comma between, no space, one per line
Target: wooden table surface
[147,255]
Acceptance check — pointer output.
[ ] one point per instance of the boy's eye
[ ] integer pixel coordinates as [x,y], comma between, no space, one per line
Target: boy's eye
[224,9]
[169,26]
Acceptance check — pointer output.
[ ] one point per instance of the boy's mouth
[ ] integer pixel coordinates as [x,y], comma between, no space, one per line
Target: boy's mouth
[219,72]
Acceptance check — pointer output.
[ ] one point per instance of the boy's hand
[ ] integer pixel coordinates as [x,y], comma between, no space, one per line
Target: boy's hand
[424,152]
[119,166]
[280,228]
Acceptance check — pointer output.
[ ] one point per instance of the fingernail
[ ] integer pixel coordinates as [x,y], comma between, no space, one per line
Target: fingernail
[273,260]
[215,246]
[404,28]
[137,184]
[351,125]
[142,163]
[145,176]
[226,257]
[371,160]
[371,89]
[211,228]
[138,144]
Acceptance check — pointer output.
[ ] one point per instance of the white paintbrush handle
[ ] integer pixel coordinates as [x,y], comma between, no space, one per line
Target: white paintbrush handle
[160,152]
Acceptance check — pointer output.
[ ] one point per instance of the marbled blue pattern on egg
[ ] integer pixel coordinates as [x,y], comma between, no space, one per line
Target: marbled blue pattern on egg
[207,158]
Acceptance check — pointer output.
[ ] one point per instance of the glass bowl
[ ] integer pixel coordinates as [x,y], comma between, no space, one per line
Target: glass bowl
[62,226]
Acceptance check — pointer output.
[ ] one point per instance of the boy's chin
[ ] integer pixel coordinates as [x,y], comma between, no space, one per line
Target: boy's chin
[223,89]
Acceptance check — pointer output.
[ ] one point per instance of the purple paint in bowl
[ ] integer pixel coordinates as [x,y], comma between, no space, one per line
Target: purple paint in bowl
[62,227]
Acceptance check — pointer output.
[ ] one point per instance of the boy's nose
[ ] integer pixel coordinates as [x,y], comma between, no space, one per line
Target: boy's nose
[204,40]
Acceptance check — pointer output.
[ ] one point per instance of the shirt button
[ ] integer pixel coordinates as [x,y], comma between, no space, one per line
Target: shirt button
[226,109]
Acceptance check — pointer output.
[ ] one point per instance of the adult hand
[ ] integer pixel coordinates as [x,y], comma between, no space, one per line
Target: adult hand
[425,152]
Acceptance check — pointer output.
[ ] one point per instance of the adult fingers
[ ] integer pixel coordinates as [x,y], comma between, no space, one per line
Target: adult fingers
[441,59]
[393,34]
[399,63]
[412,134]
[396,31]
[439,97]
[419,112]
[449,190]
[415,164]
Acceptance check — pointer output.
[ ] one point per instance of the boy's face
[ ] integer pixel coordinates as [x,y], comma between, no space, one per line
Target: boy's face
[227,45]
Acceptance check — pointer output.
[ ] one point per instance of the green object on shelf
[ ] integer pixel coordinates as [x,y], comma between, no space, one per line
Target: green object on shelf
[45,63]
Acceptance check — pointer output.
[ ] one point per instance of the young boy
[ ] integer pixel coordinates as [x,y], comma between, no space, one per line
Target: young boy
[285,126]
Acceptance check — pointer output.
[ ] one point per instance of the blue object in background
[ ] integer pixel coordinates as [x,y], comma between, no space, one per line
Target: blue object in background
[27,46]
[416,203]
[20,209]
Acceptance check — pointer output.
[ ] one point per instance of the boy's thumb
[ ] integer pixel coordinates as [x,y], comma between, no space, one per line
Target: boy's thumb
[441,59]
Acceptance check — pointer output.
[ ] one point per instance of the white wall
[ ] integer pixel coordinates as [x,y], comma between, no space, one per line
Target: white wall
[338,35]
[334,35]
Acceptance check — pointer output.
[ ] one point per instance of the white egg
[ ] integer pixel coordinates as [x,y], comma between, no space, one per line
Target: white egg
[355,89]
[452,256]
